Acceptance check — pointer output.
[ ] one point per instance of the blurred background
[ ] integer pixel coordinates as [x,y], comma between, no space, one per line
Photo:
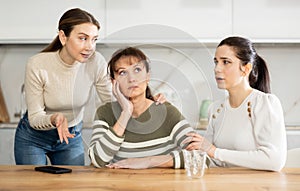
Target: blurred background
[178,36]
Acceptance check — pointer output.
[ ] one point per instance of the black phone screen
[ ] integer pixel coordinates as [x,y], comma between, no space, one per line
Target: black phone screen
[53,169]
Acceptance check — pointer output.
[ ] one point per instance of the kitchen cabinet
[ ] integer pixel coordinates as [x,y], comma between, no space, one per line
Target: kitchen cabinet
[7,136]
[37,21]
[267,20]
[173,20]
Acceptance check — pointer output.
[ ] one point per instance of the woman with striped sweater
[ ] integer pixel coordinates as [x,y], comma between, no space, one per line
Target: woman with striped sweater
[134,132]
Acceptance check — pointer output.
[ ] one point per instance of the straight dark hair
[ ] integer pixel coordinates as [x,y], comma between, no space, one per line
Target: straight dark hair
[259,78]
[129,52]
[67,22]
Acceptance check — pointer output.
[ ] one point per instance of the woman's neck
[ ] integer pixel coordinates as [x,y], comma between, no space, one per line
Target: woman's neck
[140,106]
[237,96]
[65,57]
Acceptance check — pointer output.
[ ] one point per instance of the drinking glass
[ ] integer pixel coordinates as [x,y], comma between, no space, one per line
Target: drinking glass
[194,163]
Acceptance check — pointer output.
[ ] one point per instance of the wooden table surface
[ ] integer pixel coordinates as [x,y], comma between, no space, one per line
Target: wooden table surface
[86,178]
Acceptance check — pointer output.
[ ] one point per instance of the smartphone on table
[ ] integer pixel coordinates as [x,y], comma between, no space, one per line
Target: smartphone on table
[53,169]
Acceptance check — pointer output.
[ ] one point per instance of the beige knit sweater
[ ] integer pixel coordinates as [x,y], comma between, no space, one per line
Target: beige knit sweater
[52,86]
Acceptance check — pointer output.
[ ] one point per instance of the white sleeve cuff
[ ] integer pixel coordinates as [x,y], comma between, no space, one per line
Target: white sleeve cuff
[217,154]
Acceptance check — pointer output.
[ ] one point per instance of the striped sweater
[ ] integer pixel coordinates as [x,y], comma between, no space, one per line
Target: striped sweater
[160,130]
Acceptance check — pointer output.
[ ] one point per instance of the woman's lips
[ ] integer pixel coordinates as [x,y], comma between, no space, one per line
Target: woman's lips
[85,55]
[133,87]
[219,79]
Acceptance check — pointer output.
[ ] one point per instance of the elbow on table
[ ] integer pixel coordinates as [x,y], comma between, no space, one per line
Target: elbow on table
[95,160]
[275,167]
[276,162]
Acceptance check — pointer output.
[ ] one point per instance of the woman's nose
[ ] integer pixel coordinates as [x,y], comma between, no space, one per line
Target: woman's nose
[131,77]
[90,45]
[217,68]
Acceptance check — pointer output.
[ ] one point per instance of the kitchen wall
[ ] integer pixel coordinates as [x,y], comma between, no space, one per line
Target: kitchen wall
[184,73]
[179,37]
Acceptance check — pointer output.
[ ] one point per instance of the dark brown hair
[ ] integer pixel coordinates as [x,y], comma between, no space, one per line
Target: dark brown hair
[127,52]
[259,78]
[67,22]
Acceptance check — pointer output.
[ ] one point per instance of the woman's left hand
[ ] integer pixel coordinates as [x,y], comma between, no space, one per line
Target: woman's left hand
[143,163]
[133,163]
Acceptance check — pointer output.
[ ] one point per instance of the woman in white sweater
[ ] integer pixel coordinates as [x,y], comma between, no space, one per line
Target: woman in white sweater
[247,127]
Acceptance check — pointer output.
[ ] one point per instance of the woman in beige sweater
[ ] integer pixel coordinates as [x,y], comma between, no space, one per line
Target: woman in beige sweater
[58,84]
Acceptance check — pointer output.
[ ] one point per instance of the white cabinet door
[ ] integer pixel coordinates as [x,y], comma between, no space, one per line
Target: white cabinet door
[267,19]
[7,138]
[38,20]
[205,19]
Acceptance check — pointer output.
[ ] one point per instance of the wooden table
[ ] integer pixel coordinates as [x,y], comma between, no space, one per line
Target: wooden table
[87,178]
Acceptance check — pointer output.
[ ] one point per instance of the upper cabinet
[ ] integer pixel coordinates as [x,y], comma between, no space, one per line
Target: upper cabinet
[142,20]
[267,20]
[37,21]
[205,20]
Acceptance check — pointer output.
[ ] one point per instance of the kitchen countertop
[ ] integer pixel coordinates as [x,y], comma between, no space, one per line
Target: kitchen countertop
[23,177]
[14,125]
[89,126]
[8,125]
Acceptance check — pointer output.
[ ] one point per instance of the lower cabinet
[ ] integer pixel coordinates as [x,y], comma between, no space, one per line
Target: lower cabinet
[7,136]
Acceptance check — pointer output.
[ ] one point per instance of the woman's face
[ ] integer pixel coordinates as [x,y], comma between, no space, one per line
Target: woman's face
[228,70]
[81,43]
[132,76]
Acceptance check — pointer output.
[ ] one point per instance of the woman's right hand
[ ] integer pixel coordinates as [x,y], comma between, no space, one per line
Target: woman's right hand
[126,105]
[61,123]
[198,142]
[127,109]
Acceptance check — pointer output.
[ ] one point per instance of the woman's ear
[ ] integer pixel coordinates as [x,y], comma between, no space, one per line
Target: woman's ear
[112,80]
[148,77]
[62,37]
[247,69]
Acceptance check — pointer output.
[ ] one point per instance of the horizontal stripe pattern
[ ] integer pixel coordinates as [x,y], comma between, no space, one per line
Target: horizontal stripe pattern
[107,147]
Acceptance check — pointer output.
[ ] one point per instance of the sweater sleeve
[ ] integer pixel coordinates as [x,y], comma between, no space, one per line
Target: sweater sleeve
[105,143]
[102,81]
[179,134]
[34,82]
[270,136]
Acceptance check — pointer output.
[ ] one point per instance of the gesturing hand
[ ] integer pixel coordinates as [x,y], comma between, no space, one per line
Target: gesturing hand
[61,123]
